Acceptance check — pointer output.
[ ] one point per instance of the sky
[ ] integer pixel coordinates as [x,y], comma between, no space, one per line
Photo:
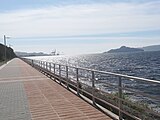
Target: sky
[79,26]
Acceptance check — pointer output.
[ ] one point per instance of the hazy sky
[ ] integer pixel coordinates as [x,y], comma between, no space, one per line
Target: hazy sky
[79,26]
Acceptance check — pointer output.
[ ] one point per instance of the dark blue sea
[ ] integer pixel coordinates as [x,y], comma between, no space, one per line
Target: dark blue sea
[139,64]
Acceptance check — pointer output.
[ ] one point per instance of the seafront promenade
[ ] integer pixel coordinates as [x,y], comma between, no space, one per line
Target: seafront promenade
[27,94]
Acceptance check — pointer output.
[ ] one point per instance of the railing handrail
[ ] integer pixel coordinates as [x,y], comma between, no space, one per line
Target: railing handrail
[58,71]
[109,73]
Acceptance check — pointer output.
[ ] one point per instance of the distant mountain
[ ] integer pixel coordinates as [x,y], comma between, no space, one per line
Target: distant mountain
[152,48]
[9,53]
[25,54]
[125,49]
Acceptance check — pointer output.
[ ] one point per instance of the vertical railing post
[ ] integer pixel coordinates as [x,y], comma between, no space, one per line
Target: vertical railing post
[93,88]
[60,73]
[120,97]
[77,76]
[39,64]
[46,65]
[50,67]
[54,66]
[43,64]
[67,77]
[60,70]
[32,63]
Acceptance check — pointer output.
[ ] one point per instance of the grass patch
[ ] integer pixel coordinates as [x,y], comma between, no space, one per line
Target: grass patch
[135,108]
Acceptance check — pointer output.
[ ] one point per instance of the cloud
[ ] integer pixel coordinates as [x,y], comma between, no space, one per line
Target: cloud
[81,19]
[93,27]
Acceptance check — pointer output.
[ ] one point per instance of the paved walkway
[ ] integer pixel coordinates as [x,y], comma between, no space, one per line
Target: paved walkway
[27,94]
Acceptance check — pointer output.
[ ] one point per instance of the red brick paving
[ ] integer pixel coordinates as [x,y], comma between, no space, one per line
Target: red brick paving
[50,101]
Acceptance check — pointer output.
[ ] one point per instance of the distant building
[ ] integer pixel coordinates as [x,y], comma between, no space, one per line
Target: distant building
[53,53]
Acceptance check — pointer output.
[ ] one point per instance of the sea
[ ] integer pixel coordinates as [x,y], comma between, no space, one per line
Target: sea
[138,64]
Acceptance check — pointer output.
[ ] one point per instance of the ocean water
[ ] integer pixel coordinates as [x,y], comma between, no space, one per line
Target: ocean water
[139,64]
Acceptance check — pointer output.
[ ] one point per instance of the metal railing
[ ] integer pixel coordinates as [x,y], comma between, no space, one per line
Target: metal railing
[124,95]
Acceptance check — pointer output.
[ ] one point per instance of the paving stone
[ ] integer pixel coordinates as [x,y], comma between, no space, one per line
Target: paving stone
[13,102]
[26,94]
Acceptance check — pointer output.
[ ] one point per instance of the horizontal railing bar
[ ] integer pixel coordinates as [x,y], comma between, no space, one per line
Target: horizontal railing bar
[131,90]
[136,118]
[111,73]
[118,98]
[113,96]
[129,103]
[107,84]
[141,93]
[134,92]
[63,70]
[73,75]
